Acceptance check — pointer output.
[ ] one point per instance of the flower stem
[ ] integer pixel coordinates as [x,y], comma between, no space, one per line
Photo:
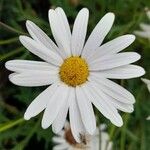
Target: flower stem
[6,126]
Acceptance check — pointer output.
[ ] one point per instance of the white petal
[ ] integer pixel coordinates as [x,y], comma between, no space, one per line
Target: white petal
[123,72]
[86,110]
[31,79]
[61,133]
[60,12]
[105,141]
[120,105]
[29,66]
[59,122]
[61,147]
[79,32]
[40,50]
[38,35]
[114,90]
[145,27]
[55,103]
[117,104]
[97,36]
[56,139]
[148,118]
[76,123]
[112,47]
[100,101]
[40,102]
[146,81]
[59,26]
[143,34]
[113,61]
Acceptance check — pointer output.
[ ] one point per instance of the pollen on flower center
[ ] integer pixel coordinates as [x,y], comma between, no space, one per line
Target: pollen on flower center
[74,71]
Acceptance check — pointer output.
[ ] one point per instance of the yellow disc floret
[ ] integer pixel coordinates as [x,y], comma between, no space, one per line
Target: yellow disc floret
[74,71]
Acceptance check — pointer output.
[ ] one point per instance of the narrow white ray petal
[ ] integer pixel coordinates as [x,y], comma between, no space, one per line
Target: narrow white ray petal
[61,133]
[60,12]
[114,90]
[60,31]
[97,36]
[61,147]
[120,105]
[59,122]
[79,32]
[100,101]
[55,103]
[29,66]
[31,79]
[86,110]
[40,50]
[123,72]
[76,123]
[40,102]
[146,81]
[148,118]
[38,35]
[105,141]
[143,34]
[112,47]
[58,139]
[117,104]
[145,27]
[114,61]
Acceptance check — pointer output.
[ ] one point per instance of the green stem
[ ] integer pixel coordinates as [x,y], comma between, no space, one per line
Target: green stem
[11,28]
[22,144]
[12,53]
[3,42]
[11,124]
[100,138]
[123,133]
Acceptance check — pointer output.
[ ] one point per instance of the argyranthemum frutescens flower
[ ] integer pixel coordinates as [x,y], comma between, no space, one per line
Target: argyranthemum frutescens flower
[100,140]
[76,72]
[145,33]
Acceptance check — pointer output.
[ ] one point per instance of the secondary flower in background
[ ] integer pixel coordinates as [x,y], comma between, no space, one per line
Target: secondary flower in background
[77,73]
[145,33]
[100,140]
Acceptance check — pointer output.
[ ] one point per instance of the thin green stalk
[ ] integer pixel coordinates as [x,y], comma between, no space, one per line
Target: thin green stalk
[11,28]
[12,53]
[22,144]
[123,133]
[8,41]
[10,124]
[100,137]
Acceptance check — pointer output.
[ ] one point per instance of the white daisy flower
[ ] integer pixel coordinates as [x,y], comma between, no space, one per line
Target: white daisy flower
[145,33]
[100,140]
[147,82]
[76,72]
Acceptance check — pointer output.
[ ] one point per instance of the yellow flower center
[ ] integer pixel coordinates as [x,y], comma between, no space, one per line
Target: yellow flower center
[74,71]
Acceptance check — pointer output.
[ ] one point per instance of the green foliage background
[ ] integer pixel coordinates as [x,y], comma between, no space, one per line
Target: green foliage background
[17,134]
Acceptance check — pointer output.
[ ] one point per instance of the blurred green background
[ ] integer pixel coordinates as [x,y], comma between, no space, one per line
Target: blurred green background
[17,134]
